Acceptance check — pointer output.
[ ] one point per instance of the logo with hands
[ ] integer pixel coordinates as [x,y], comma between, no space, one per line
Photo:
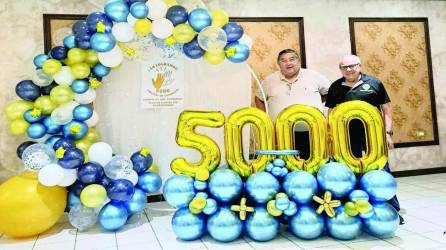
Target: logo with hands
[158,81]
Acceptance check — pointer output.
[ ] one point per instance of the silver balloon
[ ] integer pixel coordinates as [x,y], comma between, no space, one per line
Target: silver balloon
[119,167]
[36,156]
[82,217]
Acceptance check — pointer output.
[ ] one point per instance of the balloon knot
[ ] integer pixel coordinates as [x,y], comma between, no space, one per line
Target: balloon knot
[36,113]
[100,27]
[170,41]
[231,51]
[145,151]
[94,83]
[60,152]
[75,129]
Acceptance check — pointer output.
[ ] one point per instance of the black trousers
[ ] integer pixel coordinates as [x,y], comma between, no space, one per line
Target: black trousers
[302,143]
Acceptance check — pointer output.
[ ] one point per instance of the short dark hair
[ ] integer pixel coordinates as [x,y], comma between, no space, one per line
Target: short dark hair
[285,51]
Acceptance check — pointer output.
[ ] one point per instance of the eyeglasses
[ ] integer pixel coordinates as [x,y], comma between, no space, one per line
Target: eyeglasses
[351,66]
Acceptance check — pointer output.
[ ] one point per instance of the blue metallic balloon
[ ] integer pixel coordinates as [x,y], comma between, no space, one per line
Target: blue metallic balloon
[40,59]
[27,90]
[139,10]
[69,41]
[233,31]
[306,223]
[200,185]
[282,203]
[300,186]
[336,178]
[342,226]
[100,70]
[90,172]
[177,14]
[104,181]
[379,184]
[179,190]
[73,200]
[96,17]
[202,194]
[261,226]
[199,19]
[140,162]
[76,187]
[80,86]
[241,52]
[30,118]
[357,195]
[278,162]
[192,49]
[120,190]
[211,206]
[72,158]
[52,140]
[51,127]
[368,214]
[36,131]
[291,209]
[113,216]
[83,42]
[137,203]
[68,128]
[80,27]
[224,225]
[225,185]
[188,226]
[64,143]
[130,2]
[47,89]
[82,112]
[23,146]
[149,182]
[383,222]
[59,52]
[117,11]
[102,42]
[262,187]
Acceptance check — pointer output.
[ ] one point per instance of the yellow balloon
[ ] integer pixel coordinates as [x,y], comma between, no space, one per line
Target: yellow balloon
[91,57]
[315,120]
[28,208]
[76,55]
[154,169]
[214,57]
[377,152]
[187,137]
[80,70]
[183,33]
[93,195]
[233,140]
[143,27]
[83,144]
[15,109]
[67,62]
[45,104]
[61,94]
[219,18]
[92,135]
[18,127]
[170,3]
[51,66]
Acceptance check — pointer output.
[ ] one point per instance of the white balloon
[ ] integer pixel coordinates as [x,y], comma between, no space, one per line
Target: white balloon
[119,167]
[100,152]
[41,79]
[86,97]
[131,20]
[157,9]
[62,115]
[69,177]
[51,175]
[123,32]
[246,40]
[111,58]
[132,176]
[93,120]
[162,28]
[64,76]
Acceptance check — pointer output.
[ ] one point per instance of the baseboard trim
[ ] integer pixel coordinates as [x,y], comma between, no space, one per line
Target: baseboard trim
[415,172]
[155,198]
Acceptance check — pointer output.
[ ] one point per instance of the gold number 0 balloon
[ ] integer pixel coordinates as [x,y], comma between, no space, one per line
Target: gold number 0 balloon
[233,139]
[187,137]
[338,121]
[286,120]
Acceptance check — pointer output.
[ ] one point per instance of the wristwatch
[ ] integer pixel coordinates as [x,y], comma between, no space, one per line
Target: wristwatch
[390,132]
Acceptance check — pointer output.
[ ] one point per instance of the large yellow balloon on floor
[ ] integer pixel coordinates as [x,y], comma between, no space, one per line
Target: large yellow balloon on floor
[28,208]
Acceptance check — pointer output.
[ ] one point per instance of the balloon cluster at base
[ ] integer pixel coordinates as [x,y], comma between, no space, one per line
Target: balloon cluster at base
[334,201]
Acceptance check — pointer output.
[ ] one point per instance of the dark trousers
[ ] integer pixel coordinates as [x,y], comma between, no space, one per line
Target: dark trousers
[302,143]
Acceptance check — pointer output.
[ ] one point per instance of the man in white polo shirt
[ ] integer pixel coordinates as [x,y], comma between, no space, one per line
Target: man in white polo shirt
[293,85]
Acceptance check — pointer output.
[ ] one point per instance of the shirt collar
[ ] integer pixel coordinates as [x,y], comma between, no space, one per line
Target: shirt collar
[360,81]
[282,77]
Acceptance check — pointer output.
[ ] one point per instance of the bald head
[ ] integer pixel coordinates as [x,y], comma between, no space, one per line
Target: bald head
[350,66]
[349,60]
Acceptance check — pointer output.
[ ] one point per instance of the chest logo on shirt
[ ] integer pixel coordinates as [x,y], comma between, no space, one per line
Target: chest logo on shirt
[365,87]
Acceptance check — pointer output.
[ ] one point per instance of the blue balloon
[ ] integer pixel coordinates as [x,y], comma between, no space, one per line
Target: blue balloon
[233,31]
[139,10]
[82,112]
[96,17]
[306,223]
[100,70]
[83,42]
[102,42]
[199,19]
[113,216]
[69,41]
[224,225]
[72,200]
[130,2]
[149,182]
[357,195]
[40,59]
[104,181]
[211,206]
[90,172]
[31,119]
[262,187]
[36,131]
[59,52]
[225,185]
[177,14]
[188,226]
[27,90]
[192,49]
[383,222]
[137,203]
[80,86]
[291,209]
[179,190]
[336,178]
[77,187]
[261,226]
[47,89]
[241,52]
[379,184]
[342,226]
[140,162]
[80,27]
[300,186]
[117,11]
[278,162]
[64,143]
[23,146]
[72,158]
[69,130]
[51,127]
[120,190]
[200,185]
[53,139]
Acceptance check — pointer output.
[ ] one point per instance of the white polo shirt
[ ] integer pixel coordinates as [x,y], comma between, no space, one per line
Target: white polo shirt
[306,89]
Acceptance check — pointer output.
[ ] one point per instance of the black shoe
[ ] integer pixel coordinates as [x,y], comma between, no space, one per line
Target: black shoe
[402,222]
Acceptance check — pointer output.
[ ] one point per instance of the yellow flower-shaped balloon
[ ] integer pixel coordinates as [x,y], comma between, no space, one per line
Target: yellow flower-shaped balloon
[326,204]
[242,209]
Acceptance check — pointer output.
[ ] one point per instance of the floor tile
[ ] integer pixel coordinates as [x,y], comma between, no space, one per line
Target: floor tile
[415,242]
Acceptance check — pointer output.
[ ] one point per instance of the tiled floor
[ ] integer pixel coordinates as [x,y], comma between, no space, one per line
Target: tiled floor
[423,199]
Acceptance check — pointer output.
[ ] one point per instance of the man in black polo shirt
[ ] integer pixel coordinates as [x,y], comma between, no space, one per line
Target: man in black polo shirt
[355,85]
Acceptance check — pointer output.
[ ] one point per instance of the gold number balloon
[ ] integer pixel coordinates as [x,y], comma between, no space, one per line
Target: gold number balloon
[233,139]
[286,120]
[338,122]
[187,137]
